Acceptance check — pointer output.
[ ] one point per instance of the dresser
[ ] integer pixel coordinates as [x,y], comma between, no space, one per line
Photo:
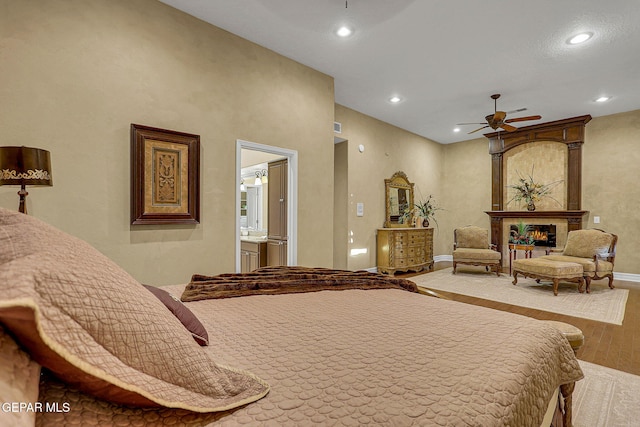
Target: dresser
[404,249]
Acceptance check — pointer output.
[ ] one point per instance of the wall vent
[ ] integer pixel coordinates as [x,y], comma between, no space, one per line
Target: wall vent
[337,127]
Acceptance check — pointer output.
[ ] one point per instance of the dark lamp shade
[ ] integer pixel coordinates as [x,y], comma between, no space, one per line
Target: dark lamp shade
[25,166]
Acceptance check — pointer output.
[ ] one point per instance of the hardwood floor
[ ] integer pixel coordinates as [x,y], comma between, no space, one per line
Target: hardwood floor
[614,346]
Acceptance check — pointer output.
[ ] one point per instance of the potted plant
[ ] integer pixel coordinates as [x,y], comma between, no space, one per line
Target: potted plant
[521,236]
[422,211]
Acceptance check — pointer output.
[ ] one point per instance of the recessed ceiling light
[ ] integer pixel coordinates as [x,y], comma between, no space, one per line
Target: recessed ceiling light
[395,99]
[603,99]
[580,38]
[456,129]
[344,31]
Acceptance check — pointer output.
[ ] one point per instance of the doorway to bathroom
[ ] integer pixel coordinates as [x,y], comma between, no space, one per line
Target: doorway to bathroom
[252,163]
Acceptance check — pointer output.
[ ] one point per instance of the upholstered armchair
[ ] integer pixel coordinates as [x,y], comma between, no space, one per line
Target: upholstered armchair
[471,246]
[594,249]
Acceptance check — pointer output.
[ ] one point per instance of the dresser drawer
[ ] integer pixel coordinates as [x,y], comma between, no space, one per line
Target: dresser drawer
[416,238]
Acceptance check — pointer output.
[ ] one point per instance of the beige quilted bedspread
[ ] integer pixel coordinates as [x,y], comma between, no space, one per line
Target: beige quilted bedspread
[364,357]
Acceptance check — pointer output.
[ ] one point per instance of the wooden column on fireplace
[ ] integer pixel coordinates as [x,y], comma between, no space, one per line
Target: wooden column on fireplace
[567,131]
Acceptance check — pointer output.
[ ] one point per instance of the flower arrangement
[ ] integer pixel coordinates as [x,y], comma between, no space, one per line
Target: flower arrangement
[529,191]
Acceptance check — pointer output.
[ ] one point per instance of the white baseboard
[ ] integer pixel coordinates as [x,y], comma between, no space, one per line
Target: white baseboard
[627,277]
[443,258]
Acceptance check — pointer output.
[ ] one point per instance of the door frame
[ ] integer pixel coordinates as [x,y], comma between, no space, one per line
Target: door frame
[292,195]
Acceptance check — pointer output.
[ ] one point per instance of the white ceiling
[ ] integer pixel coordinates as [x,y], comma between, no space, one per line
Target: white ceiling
[445,58]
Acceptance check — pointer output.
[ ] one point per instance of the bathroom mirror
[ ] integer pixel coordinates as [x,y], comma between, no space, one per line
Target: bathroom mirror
[399,200]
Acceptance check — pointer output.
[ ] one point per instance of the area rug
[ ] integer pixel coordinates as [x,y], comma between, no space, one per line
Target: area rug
[606,397]
[602,304]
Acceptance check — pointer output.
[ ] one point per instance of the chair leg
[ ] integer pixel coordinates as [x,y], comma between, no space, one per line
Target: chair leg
[454,267]
[611,281]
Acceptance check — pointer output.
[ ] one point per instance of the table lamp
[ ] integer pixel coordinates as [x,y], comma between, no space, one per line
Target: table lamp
[24,166]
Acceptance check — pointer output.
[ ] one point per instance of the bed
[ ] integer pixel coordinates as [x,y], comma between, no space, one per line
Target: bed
[353,348]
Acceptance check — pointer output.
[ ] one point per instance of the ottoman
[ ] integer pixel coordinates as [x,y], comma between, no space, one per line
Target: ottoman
[571,333]
[539,268]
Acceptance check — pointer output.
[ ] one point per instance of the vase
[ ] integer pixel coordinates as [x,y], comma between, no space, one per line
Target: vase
[531,206]
[425,222]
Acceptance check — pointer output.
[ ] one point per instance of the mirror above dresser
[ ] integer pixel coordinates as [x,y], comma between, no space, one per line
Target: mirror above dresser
[399,200]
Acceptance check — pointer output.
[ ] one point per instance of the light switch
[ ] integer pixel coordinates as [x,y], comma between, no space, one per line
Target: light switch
[359,209]
[596,220]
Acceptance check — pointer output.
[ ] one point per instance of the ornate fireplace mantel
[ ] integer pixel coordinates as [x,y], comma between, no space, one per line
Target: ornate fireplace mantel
[569,132]
[573,218]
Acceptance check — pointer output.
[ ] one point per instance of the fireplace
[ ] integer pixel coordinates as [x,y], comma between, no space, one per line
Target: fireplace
[543,234]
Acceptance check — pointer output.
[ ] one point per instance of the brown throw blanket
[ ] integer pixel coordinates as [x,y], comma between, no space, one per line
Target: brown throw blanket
[283,280]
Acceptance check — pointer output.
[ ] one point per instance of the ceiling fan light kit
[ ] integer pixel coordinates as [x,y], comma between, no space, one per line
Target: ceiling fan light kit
[496,121]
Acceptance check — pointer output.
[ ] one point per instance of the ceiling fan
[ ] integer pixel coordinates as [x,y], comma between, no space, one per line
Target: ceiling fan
[497,119]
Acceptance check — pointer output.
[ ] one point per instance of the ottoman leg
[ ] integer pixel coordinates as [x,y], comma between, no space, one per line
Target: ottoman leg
[555,286]
[515,277]
[567,391]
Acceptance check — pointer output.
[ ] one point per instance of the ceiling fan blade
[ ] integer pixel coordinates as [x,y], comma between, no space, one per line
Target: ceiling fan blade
[474,123]
[523,119]
[519,110]
[479,129]
[499,116]
[508,128]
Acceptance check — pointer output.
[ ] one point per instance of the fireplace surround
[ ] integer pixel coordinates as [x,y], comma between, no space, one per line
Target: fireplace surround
[569,132]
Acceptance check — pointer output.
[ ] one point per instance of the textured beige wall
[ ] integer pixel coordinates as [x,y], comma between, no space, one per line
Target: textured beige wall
[611,182]
[75,74]
[387,149]
[466,187]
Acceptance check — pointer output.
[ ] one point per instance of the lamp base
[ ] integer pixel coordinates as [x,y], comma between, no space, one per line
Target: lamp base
[23,199]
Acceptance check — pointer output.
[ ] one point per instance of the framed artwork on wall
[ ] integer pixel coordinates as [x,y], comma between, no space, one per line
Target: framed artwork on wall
[165,176]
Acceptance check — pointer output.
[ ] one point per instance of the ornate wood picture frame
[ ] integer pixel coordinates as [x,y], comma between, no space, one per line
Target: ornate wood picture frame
[165,176]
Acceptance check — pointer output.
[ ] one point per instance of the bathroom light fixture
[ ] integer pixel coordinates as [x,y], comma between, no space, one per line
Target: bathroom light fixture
[261,177]
[580,38]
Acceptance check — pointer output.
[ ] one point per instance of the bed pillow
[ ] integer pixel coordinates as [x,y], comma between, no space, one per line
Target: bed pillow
[19,380]
[93,325]
[186,316]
